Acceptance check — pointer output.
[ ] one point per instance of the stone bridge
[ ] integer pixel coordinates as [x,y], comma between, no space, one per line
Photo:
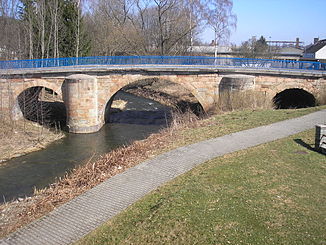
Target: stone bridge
[86,91]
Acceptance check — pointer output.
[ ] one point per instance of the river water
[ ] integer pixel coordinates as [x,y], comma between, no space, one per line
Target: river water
[140,118]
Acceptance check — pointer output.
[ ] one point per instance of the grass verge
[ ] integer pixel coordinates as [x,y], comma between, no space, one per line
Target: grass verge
[184,130]
[230,122]
[270,194]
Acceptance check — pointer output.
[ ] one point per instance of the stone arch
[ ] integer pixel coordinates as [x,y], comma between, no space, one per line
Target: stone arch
[294,98]
[297,85]
[292,85]
[272,85]
[173,79]
[26,85]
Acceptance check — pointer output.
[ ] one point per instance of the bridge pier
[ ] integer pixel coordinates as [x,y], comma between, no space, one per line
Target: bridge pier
[80,95]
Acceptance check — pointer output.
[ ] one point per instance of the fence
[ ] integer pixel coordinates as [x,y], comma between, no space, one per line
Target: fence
[163,60]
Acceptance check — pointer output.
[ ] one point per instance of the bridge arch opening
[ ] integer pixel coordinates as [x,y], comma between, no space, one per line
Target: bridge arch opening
[294,98]
[151,101]
[42,105]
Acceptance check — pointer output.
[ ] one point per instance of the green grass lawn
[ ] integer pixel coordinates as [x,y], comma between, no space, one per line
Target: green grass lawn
[236,121]
[270,194]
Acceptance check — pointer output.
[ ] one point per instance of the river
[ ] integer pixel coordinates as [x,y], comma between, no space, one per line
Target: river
[140,118]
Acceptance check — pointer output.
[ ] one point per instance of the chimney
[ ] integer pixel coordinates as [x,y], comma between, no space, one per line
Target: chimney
[297,42]
[316,40]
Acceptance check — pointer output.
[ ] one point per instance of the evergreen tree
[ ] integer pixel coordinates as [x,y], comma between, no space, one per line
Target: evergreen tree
[27,16]
[261,46]
[254,48]
[69,33]
[54,28]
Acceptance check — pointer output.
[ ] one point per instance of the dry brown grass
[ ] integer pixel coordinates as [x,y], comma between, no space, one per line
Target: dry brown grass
[16,214]
[240,100]
[22,137]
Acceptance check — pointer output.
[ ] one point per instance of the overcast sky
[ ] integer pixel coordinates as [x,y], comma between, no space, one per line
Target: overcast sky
[278,20]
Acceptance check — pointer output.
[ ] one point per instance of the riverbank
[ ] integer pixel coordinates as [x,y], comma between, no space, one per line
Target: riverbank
[184,130]
[273,193]
[167,93]
[21,137]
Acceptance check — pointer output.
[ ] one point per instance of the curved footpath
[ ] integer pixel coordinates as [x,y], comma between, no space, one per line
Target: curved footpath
[73,220]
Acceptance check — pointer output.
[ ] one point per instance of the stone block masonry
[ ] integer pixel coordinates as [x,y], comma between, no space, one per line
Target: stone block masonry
[80,95]
[87,93]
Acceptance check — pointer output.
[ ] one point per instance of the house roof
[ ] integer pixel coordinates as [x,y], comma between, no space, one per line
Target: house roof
[290,51]
[209,49]
[317,46]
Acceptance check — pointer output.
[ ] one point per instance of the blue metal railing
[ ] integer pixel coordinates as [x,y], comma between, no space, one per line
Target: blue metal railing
[164,60]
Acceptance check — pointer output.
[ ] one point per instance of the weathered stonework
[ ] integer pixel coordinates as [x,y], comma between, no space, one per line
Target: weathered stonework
[80,95]
[86,96]
[273,85]
[237,83]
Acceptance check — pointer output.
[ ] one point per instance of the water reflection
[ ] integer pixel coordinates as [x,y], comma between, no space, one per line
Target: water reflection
[19,176]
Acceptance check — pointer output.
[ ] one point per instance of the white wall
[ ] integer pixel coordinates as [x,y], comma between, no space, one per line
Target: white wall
[321,53]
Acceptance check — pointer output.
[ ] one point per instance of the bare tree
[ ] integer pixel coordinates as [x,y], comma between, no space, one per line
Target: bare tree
[10,37]
[54,11]
[28,18]
[79,4]
[218,15]
[254,48]
[112,27]
[120,27]
[138,26]
[41,15]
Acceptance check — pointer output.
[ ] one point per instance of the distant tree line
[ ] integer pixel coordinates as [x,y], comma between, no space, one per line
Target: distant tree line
[255,48]
[73,28]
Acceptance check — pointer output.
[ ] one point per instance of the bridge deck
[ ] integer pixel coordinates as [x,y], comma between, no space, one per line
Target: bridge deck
[97,69]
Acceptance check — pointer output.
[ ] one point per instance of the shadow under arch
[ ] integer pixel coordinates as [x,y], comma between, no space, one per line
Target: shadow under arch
[294,98]
[42,105]
[156,90]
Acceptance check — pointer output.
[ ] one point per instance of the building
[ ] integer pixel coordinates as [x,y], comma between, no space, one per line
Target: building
[283,44]
[210,50]
[288,53]
[316,51]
